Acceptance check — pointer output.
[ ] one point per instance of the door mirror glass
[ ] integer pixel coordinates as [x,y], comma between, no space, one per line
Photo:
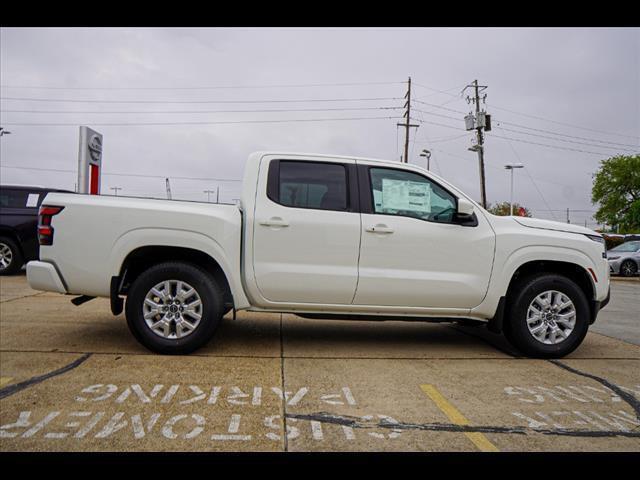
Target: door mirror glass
[465,207]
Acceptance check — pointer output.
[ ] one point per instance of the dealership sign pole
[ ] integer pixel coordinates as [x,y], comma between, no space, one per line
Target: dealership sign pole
[89,161]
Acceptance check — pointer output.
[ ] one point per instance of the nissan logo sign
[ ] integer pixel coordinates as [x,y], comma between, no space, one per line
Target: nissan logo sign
[95,148]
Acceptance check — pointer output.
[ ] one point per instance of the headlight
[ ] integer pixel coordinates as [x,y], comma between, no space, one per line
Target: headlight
[595,238]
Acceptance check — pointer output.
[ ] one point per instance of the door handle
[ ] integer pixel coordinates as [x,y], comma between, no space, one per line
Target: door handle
[274,222]
[379,229]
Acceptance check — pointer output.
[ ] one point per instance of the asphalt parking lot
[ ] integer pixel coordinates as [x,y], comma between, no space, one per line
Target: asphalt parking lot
[74,379]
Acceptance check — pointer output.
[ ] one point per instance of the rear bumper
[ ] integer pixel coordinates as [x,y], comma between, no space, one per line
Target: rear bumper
[44,276]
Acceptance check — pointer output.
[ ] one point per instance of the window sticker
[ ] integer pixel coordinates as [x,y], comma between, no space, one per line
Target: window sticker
[32,200]
[405,195]
[377,200]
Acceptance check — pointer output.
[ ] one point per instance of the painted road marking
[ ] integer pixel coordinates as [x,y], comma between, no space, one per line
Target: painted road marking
[5,381]
[478,439]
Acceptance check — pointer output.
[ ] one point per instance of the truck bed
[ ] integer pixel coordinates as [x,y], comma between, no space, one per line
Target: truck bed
[94,234]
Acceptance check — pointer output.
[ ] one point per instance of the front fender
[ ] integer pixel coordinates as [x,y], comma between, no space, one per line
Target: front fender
[503,273]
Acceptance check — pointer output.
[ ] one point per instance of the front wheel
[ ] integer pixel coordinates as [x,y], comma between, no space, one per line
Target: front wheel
[628,268]
[547,316]
[174,308]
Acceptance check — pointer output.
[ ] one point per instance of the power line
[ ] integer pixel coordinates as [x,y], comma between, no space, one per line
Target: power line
[537,135]
[568,141]
[524,126]
[440,106]
[530,177]
[566,135]
[62,100]
[547,145]
[438,115]
[136,124]
[445,92]
[117,174]
[202,111]
[208,87]
[565,124]
[538,117]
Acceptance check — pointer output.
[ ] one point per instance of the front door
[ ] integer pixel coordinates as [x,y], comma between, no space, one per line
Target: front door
[414,253]
[307,233]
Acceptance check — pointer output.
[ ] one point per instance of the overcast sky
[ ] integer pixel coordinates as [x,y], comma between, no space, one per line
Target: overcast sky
[542,83]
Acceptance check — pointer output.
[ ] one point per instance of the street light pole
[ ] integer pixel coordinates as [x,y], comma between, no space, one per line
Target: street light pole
[427,153]
[512,167]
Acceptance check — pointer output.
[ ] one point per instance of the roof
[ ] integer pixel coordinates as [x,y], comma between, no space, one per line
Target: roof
[36,188]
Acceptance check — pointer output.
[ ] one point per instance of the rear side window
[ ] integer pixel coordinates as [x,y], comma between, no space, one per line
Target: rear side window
[316,185]
[13,198]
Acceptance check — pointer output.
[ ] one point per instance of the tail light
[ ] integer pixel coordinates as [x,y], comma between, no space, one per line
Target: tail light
[45,230]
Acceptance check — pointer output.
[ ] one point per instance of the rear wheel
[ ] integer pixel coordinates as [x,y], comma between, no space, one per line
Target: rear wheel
[628,268]
[174,308]
[11,259]
[547,316]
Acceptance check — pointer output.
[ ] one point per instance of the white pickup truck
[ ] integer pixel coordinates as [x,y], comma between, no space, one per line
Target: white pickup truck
[324,237]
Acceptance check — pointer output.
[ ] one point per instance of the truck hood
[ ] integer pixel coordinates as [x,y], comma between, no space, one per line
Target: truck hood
[551,225]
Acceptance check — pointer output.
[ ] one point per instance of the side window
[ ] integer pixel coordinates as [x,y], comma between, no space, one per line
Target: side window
[398,192]
[320,186]
[13,198]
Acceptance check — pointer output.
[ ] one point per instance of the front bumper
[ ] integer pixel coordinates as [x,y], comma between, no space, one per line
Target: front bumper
[596,306]
[44,276]
[614,266]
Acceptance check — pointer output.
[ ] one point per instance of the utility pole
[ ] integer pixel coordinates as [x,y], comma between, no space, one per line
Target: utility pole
[168,189]
[218,194]
[116,189]
[568,220]
[482,121]
[407,124]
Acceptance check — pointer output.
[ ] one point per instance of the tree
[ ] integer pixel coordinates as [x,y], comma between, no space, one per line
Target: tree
[504,209]
[616,188]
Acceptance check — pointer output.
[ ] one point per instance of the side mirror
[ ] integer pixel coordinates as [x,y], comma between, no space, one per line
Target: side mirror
[465,207]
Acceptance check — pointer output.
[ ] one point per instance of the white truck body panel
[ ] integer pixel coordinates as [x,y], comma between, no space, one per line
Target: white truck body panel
[94,234]
[322,261]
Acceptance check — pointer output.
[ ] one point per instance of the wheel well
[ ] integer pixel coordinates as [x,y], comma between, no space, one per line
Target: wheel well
[570,270]
[143,258]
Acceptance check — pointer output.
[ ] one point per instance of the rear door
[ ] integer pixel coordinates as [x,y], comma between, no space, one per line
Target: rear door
[306,236]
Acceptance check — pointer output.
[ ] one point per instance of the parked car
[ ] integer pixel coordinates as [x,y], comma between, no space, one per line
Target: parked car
[625,258]
[324,237]
[18,225]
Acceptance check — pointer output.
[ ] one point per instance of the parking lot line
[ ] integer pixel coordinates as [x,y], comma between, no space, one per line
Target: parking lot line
[478,439]
[5,380]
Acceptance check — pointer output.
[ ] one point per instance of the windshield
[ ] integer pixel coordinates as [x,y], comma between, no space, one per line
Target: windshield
[627,247]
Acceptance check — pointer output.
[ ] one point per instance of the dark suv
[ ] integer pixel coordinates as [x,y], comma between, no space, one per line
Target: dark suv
[19,225]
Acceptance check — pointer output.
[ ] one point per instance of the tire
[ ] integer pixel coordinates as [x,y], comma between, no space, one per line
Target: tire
[521,299]
[177,342]
[628,268]
[11,259]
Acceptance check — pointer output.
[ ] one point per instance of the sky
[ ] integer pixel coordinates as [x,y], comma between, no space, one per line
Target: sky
[561,101]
